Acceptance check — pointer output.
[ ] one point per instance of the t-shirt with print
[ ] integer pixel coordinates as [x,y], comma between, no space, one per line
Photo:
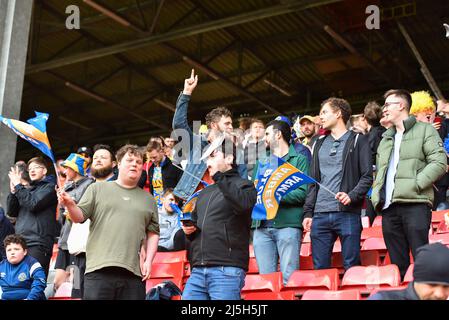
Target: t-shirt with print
[120,219]
[158,188]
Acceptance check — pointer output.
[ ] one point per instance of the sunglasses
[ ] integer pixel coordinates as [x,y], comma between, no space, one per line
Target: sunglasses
[333,150]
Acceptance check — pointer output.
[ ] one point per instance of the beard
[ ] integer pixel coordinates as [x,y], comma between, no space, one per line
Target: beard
[101,173]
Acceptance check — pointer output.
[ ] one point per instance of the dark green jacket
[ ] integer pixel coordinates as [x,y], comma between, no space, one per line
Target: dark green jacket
[290,212]
[422,160]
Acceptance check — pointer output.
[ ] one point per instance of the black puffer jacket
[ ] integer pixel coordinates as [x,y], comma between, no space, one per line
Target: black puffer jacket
[223,216]
[35,209]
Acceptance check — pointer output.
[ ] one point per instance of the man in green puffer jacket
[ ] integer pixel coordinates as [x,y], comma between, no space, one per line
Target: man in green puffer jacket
[410,158]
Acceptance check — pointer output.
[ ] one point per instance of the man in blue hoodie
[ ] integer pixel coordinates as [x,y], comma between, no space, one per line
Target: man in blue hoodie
[35,209]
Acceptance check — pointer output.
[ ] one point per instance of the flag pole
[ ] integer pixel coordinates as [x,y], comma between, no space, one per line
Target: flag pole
[328,190]
[58,177]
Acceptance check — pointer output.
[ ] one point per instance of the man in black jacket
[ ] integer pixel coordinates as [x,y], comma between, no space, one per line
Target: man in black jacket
[221,229]
[35,209]
[341,162]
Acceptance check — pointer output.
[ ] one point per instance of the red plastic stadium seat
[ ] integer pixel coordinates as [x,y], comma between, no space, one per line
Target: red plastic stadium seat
[438,216]
[306,249]
[367,279]
[442,228]
[332,295]
[167,270]
[252,266]
[374,244]
[377,222]
[303,280]
[169,257]
[373,232]
[365,222]
[262,282]
[442,237]
[409,274]
[270,296]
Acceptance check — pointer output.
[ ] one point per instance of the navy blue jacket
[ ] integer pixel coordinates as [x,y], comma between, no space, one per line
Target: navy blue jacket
[25,280]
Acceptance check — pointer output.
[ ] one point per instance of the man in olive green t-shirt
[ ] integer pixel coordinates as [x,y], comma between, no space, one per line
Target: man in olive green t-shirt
[124,220]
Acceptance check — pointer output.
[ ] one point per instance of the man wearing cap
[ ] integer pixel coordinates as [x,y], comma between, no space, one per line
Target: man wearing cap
[35,209]
[307,127]
[75,171]
[430,277]
[86,152]
[123,222]
[221,228]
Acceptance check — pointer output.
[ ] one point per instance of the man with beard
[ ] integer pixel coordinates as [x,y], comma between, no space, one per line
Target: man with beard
[103,163]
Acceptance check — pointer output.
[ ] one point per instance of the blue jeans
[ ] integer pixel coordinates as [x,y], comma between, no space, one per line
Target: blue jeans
[214,283]
[326,227]
[271,244]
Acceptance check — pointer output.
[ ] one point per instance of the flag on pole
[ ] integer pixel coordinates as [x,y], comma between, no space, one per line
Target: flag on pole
[275,179]
[35,131]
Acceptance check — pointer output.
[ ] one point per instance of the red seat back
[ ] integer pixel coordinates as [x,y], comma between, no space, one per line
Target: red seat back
[302,280]
[374,244]
[169,257]
[377,222]
[270,296]
[167,270]
[442,237]
[370,258]
[373,232]
[442,228]
[263,282]
[332,295]
[252,266]
[371,277]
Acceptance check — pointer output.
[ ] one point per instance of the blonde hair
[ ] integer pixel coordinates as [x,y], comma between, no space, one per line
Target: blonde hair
[422,102]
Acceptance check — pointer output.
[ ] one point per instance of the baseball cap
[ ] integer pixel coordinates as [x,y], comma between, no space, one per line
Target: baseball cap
[307,117]
[285,119]
[85,150]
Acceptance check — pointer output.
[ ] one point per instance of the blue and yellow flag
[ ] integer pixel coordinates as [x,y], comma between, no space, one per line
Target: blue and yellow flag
[275,179]
[35,131]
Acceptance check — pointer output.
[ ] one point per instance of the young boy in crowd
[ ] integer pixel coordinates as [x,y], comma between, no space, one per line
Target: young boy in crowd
[21,276]
[171,237]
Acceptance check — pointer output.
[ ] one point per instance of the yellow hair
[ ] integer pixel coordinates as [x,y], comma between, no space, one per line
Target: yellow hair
[422,102]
